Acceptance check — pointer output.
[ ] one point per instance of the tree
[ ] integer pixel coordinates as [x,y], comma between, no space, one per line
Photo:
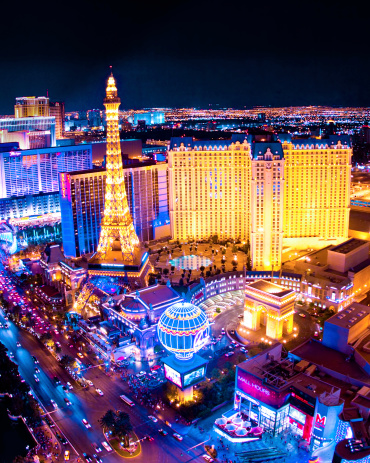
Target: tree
[123,426]
[215,238]
[202,268]
[108,420]
[67,361]
[165,271]
[118,424]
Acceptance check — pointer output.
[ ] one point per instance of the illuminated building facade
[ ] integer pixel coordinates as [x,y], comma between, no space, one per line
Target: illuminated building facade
[30,172]
[25,207]
[317,187]
[82,198]
[41,124]
[272,302]
[56,110]
[209,184]
[261,189]
[267,191]
[31,106]
[150,117]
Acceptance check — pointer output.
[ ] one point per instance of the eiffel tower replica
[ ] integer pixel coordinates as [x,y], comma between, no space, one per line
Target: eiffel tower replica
[119,254]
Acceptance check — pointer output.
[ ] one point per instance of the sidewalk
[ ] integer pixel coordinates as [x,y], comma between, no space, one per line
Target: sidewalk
[50,449]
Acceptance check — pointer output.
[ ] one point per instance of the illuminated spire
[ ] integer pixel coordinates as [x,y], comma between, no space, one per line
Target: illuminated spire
[117,226]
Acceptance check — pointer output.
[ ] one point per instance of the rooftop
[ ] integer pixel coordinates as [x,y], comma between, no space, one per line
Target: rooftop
[350,316]
[348,246]
[270,288]
[320,355]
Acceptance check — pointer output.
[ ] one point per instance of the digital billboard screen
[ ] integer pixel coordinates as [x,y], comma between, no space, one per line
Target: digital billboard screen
[172,375]
[194,376]
[297,415]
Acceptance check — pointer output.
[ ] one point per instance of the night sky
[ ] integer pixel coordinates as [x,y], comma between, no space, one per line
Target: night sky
[187,53]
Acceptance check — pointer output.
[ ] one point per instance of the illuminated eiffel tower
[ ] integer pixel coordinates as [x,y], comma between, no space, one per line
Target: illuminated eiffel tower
[119,259]
[117,229]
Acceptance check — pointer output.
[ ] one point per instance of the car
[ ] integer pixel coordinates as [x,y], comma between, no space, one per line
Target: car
[54,404]
[11,355]
[107,447]
[6,325]
[69,385]
[57,380]
[99,391]
[222,330]
[162,432]
[87,457]
[208,458]
[97,459]
[316,333]
[149,438]
[96,447]
[243,349]
[36,378]
[241,315]
[177,436]
[80,355]
[90,383]
[302,315]
[86,423]
[66,455]
[153,418]
[68,402]
[35,359]
[65,389]
[18,344]
[229,354]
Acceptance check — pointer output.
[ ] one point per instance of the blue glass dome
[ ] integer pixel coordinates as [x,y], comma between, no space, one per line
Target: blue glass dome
[183,329]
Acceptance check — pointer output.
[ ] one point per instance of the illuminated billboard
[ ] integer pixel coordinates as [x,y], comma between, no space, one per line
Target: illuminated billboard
[172,375]
[296,415]
[194,376]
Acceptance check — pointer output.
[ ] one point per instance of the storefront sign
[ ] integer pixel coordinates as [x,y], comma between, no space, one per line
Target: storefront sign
[255,388]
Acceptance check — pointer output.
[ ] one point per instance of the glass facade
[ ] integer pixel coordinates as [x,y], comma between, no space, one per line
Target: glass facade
[42,123]
[30,205]
[82,208]
[30,172]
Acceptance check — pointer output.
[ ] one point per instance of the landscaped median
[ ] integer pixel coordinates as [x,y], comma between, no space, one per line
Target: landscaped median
[115,443]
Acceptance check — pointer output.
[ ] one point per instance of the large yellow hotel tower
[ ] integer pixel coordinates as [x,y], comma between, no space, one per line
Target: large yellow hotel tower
[264,189]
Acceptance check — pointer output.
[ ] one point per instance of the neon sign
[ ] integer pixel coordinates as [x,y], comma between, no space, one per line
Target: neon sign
[320,420]
[65,186]
[254,385]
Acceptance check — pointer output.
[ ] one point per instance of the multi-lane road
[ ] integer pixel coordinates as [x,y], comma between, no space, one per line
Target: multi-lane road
[88,404]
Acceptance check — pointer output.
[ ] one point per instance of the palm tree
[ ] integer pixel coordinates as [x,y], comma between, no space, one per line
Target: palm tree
[123,426]
[108,421]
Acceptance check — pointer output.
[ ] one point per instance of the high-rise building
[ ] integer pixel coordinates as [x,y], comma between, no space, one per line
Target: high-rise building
[94,118]
[82,205]
[22,207]
[41,125]
[317,187]
[262,190]
[30,172]
[31,106]
[209,184]
[57,110]
[266,205]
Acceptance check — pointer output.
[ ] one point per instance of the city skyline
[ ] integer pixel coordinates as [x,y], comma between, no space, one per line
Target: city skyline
[189,54]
